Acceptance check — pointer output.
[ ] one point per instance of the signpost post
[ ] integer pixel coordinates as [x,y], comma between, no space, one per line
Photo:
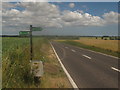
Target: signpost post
[36,65]
[29,33]
[31,46]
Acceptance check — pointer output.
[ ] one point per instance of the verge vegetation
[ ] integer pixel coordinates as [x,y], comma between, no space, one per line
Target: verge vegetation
[16,64]
[98,46]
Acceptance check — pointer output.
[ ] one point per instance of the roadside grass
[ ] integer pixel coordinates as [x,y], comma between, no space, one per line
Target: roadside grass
[16,64]
[94,48]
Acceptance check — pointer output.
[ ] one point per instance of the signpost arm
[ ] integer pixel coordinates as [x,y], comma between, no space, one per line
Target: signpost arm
[31,46]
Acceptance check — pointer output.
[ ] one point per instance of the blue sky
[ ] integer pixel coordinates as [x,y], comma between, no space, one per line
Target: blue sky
[94,18]
[95,8]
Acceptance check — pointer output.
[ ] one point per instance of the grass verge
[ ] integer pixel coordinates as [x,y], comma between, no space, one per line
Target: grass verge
[106,51]
[16,67]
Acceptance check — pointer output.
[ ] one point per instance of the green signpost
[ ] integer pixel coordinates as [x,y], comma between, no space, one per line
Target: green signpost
[37,72]
[37,29]
[24,33]
[29,33]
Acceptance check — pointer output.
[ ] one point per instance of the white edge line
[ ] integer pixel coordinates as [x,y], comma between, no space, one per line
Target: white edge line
[68,75]
[115,69]
[99,53]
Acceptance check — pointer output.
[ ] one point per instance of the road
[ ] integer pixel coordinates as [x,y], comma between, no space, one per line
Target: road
[88,69]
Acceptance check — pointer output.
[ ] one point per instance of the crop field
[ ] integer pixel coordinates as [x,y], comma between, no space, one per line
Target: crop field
[105,46]
[16,64]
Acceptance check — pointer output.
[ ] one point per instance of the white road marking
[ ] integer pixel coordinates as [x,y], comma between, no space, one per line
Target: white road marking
[87,56]
[115,69]
[68,75]
[99,53]
[73,50]
[66,47]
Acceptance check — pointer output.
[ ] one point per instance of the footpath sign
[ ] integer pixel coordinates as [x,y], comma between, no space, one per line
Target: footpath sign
[36,65]
[37,29]
[24,33]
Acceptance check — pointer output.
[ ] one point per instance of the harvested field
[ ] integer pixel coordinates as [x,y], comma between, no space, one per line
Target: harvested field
[105,44]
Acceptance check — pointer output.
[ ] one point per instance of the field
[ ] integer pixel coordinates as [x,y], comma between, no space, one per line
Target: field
[16,64]
[105,46]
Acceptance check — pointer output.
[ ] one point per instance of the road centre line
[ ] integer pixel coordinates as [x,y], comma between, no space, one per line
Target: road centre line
[86,56]
[66,47]
[73,50]
[115,69]
[99,53]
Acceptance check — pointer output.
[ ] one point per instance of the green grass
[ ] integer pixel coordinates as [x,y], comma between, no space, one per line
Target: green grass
[16,65]
[78,44]
[15,56]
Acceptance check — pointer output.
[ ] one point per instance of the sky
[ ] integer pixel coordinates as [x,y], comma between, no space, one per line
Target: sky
[61,18]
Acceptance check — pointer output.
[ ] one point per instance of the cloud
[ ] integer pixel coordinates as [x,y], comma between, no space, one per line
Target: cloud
[7,5]
[111,17]
[34,0]
[48,15]
[42,14]
[25,1]
[80,11]
[71,5]
[81,19]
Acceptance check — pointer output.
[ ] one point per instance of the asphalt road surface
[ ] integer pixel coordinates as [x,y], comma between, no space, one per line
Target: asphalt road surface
[88,69]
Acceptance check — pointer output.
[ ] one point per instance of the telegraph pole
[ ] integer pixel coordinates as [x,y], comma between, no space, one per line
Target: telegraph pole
[31,46]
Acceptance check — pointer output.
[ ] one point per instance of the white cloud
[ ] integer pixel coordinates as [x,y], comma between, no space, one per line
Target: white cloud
[49,15]
[43,14]
[81,19]
[111,17]
[25,1]
[7,5]
[69,16]
[71,5]
[80,11]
